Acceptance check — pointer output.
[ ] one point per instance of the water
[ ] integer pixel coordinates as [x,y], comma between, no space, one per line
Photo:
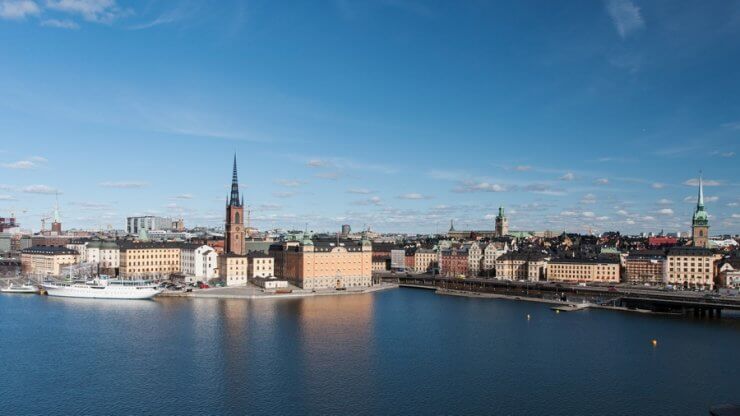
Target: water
[393,352]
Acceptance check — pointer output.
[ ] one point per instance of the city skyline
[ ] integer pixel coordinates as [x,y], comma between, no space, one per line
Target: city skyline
[593,116]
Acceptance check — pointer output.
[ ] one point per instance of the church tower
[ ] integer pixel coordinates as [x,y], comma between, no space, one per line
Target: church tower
[234,236]
[700,221]
[502,223]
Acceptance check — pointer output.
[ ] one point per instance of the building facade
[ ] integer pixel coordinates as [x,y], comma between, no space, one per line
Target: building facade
[233,269]
[134,225]
[198,262]
[324,265]
[522,265]
[576,270]
[47,260]
[453,262]
[425,260]
[691,268]
[149,260]
[261,265]
[645,266]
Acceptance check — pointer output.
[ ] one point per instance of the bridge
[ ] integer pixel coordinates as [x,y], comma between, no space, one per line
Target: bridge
[654,299]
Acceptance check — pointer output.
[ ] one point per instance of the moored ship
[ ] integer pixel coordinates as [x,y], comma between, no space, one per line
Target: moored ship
[103,288]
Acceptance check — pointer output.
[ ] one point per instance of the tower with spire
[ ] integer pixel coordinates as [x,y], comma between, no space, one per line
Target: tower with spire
[234,227]
[502,223]
[56,224]
[700,220]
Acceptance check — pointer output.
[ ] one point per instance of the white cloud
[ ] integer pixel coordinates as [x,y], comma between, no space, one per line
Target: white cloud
[183,196]
[479,187]
[705,182]
[602,218]
[658,185]
[588,199]
[60,24]
[290,183]
[626,17]
[692,199]
[623,212]
[39,189]
[523,168]
[318,163]
[665,211]
[588,214]
[602,181]
[21,164]
[101,11]
[375,200]
[283,194]
[7,198]
[361,191]
[732,204]
[414,196]
[18,9]
[328,175]
[665,201]
[124,184]
[735,215]
[568,177]
[568,214]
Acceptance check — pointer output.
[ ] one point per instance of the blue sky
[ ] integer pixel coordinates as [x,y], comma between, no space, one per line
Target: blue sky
[395,114]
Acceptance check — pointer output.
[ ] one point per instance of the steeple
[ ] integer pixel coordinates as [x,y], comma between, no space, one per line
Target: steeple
[234,199]
[700,201]
[452,225]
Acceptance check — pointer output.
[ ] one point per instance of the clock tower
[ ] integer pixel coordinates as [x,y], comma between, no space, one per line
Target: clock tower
[234,237]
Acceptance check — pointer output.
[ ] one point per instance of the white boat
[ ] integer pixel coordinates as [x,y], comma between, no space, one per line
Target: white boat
[13,288]
[102,288]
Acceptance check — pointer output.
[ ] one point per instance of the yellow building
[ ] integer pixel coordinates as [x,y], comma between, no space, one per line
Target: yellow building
[602,270]
[324,265]
[425,259]
[691,267]
[47,260]
[149,260]
[261,265]
[233,269]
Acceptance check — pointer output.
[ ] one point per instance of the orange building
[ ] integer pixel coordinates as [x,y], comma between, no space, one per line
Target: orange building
[323,265]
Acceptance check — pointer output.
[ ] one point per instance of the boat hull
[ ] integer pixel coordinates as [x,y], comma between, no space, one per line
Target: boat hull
[104,293]
[20,291]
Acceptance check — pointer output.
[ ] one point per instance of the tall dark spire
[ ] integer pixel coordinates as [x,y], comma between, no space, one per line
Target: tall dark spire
[234,199]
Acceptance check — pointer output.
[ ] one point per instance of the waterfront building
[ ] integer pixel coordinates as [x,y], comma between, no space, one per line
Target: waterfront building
[382,256]
[409,260]
[47,260]
[346,230]
[645,266]
[453,262]
[691,267]
[700,221]
[260,265]
[198,262]
[491,253]
[233,269]
[729,273]
[475,259]
[134,225]
[522,265]
[270,284]
[323,265]
[425,260]
[580,270]
[149,260]
[502,223]
[398,259]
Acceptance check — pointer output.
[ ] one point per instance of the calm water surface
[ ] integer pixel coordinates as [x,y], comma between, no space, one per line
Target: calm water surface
[394,352]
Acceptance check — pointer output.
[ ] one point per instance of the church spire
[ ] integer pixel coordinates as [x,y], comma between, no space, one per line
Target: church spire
[234,199]
[700,200]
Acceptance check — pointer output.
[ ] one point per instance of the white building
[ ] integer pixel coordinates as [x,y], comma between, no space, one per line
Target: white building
[475,258]
[105,254]
[398,259]
[198,262]
[261,265]
[134,225]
